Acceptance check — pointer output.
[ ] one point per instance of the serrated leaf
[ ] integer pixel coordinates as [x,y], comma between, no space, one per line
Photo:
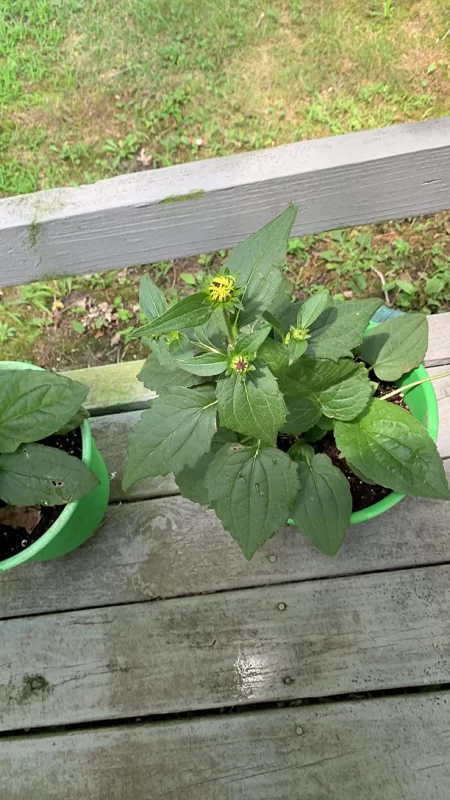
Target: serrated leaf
[35,404]
[257,262]
[159,377]
[275,355]
[296,349]
[251,404]
[251,492]
[396,346]
[191,480]
[249,343]
[188,313]
[73,423]
[302,414]
[176,431]
[151,299]
[339,390]
[324,504]
[338,330]
[37,475]
[393,449]
[312,308]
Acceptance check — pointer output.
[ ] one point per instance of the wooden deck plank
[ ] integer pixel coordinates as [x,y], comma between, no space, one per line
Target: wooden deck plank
[115,387]
[395,748]
[313,639]
[171,547]
[345,180]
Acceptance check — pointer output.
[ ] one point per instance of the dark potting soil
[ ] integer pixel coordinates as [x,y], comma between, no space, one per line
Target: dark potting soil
[363,494]
[14,540]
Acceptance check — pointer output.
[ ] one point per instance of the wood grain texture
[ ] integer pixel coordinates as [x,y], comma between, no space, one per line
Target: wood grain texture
[345,180]
[439,340]
[384,749]
[171,547]
[303,640]
[113,387]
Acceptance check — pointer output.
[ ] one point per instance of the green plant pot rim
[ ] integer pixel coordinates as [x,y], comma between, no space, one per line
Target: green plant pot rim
[430,402]
[68,511]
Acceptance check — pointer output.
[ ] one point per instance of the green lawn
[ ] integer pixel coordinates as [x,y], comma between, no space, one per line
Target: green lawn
[90,90]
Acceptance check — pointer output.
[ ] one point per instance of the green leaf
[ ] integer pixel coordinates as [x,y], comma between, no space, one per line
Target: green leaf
[324,503]
[207,364]
[78,326]
[160,377]
[312,308]
[211,334]
[249,343]
[188,313]
[339,390]
[74,423]
[275,323]
[296,349]
[282,298]
[302,415]
[184,355]
[393,449]
[339,328]
[301,451]
[252,404]
[35,404]
[257,262]
[176,431]
[275,355]
[359,474]
[151,299]
[396,346]
[37,475]
[191,480]
[251,492]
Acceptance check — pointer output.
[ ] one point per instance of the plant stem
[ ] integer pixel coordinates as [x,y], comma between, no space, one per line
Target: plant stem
[415,383]
[230,331]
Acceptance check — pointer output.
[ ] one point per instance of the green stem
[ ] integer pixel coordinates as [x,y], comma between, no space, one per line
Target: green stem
[230,330]
[415,383]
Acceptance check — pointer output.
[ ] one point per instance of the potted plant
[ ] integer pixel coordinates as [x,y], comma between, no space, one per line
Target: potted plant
[270,409]
[53,482]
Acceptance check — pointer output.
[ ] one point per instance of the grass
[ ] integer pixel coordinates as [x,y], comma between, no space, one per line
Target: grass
[92,90]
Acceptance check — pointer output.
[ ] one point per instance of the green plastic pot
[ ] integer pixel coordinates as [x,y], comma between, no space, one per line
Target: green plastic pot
[78,520]
[423,406]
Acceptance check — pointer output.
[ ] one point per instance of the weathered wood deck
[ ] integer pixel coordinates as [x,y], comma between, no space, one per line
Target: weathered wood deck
[159,614]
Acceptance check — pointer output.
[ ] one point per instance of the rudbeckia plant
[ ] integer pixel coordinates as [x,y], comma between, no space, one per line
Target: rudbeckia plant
[270,409]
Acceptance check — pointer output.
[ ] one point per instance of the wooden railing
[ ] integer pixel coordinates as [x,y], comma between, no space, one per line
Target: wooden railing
[208,205]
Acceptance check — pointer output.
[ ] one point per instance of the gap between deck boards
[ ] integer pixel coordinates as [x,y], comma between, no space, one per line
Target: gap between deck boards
[224,712]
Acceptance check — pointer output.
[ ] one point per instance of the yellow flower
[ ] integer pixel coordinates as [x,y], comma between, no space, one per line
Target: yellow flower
[221,288]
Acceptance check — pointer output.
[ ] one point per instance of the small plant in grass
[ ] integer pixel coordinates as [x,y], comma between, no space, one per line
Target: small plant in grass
[249,385]
[34,405]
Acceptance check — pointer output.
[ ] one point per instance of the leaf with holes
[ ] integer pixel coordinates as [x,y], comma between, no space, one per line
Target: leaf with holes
[393,449]
[175,432]
[34,404]
[37,475]
[251,404]
[252,492]
[324,503]
[396,346]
